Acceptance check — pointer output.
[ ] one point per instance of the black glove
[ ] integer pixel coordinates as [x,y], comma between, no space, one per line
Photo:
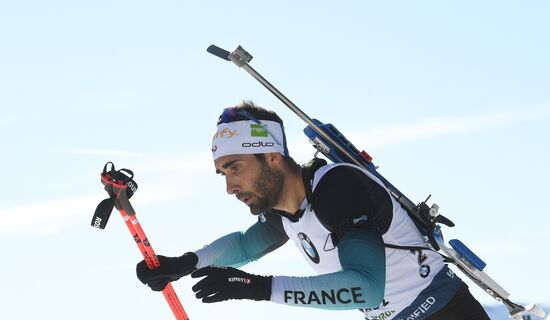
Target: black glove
[170,269]
[225,283]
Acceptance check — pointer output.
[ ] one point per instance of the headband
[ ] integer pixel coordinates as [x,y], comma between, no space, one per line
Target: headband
[248,137]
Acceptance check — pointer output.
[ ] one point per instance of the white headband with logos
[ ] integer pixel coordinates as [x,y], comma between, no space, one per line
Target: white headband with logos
[248,137]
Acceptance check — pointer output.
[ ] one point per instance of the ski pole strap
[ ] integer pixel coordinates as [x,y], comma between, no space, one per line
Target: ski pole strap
[419,248]
[102,213]
[120,186]
[119,180]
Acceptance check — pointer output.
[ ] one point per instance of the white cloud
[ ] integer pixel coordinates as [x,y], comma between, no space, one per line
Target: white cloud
[96,152]
[188,162]
[43,213]
[43,218]
[405,132]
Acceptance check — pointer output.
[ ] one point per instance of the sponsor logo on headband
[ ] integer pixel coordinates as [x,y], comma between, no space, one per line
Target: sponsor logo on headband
[225,133]
[257,144]
[257,130]
[214,148]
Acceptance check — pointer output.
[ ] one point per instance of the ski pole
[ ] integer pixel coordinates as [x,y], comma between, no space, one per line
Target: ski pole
[152,262]
[120,187]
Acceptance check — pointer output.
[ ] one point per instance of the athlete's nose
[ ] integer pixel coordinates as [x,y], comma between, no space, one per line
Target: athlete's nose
[231,186]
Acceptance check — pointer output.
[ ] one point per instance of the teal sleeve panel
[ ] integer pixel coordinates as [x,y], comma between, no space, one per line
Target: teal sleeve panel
[360,284]
[239,248]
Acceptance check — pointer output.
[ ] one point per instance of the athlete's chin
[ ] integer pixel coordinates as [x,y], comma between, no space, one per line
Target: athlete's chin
[258,205]
[256,209]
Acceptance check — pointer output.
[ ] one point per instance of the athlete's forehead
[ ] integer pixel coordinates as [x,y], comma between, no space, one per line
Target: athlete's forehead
[222,163]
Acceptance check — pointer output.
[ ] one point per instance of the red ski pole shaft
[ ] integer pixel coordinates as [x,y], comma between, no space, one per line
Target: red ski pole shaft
[168,292]
[152,262]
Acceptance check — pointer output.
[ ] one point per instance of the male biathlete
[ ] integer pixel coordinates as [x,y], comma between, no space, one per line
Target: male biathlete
[367,251]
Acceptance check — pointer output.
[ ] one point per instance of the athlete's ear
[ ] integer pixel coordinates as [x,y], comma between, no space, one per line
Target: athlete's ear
[273,158]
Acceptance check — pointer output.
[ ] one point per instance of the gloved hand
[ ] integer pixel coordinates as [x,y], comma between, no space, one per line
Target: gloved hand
[170,269]
[225,283]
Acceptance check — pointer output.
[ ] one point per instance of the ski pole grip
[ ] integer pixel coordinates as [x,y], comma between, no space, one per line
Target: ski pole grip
[122,202]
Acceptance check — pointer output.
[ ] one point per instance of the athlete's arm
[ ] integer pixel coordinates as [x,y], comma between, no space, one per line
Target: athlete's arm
[342,194]
[359,285]
[239,248]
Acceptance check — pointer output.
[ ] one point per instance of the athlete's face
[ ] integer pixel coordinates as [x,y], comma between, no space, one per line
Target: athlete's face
[255,182]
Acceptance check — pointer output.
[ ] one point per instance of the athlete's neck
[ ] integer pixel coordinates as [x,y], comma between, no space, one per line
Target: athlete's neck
[293,193]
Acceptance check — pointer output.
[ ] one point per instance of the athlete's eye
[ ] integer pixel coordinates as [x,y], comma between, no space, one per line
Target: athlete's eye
[235,168]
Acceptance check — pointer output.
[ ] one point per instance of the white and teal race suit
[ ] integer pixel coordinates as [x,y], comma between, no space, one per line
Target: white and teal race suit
[356,270]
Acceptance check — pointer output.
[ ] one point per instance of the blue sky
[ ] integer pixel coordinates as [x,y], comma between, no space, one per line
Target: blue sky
[450,98]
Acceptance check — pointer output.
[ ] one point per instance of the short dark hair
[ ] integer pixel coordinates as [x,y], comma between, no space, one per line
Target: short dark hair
[290,163]
[236,114]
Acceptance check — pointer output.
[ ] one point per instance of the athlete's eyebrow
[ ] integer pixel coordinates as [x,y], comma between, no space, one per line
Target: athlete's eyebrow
[226,165]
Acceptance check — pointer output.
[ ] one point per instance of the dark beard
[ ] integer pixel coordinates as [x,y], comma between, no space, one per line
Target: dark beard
[268,188]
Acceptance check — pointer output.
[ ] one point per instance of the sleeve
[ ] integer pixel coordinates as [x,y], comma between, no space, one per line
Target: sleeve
[344,193]
[239,248]
[359,285]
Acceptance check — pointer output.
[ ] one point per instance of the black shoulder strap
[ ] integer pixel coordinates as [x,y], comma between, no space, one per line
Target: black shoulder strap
[419,249]
[308,171]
